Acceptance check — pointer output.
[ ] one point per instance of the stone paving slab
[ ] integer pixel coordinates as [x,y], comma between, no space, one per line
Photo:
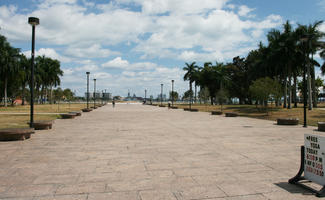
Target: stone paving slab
[144,152]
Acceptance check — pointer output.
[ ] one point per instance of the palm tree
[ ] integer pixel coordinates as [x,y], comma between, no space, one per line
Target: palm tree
[189,76]
[24,72]
[313,44]
[8,62]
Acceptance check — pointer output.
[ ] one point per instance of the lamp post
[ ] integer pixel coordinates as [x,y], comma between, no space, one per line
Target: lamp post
[102,96]
[304,40]
[145,96]
[87,89]
[94,93]
[161,93]
[172,92]
[34,22]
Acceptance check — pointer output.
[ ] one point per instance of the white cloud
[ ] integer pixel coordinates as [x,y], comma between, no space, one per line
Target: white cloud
[117,62]
[84,32]
[93,51]
[244,11]
[177,6]
[48,52]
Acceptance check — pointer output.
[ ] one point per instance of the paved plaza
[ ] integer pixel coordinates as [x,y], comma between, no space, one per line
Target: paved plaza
[137,152]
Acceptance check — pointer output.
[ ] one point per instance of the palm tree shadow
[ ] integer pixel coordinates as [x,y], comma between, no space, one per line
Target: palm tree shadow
[294,189]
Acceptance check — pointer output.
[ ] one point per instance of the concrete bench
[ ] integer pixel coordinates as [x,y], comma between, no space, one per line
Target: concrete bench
[11,134]
[86,109]
[42,125]
[216,113]
[68,116]
[76,113]
[231,114]
[287,121]
[321,126]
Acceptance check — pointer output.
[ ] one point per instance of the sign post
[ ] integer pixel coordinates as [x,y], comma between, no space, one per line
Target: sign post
[312,163]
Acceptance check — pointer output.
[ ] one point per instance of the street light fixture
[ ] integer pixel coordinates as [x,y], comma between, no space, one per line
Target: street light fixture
[87,89]
[34,22]
[161,93]
[172,92]
[94,93]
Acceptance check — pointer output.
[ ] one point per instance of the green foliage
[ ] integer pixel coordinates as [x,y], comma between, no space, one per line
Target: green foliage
[58,94]
[68,94]
[204,94]
[173,95]
[187,95]
[265,89]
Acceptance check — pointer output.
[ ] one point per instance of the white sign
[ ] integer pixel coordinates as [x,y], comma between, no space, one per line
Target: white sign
[314,158]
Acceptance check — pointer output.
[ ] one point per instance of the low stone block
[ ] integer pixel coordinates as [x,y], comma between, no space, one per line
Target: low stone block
[42,125]
[194,110]
[76,113]
[216,113]
[186,109]
[287,121]
[230,114]
[86,110]
[68,116]
[11,134]
[173,107]
[321,126]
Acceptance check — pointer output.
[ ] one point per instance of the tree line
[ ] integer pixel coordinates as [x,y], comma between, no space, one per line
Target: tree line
[272,71]
[15,74]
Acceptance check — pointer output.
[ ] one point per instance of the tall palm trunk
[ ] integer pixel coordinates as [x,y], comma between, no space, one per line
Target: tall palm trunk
[6,85]
[310,103]
[191,95]
[313,85]
[285,93]
[23,95]
[289,88]
[51,94]
[195,89]
[295,90]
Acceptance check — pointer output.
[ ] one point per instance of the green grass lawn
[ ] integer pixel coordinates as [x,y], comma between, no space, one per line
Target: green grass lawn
[20,120]
[313,116]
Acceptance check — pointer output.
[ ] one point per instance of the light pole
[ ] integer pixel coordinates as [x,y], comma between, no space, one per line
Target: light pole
[102,96]
[172,92]
[34,22]
[145,96]
[105,98]
[94,93]
[87,89]
[161,93]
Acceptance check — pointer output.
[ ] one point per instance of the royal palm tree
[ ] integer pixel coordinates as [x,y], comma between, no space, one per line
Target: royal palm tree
[189,76]
[8,63]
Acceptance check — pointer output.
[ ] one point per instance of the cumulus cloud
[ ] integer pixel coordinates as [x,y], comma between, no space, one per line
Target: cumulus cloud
[119,63]
[244,11]
[48,52]
[93,51]
[97,37]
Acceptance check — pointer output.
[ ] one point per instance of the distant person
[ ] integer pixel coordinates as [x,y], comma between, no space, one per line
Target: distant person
[113,103]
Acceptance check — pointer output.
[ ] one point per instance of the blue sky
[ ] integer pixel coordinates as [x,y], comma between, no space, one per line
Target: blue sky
[139,44]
